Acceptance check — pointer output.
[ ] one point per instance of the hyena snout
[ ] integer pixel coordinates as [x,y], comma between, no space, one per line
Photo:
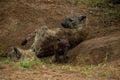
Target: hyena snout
[73,22]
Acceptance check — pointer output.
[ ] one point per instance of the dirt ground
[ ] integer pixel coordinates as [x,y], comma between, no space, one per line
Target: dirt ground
[46,72]
[19,18]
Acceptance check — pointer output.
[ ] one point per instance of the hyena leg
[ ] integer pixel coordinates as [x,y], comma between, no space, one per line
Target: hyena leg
[61,50]
[32,47]
[65,57]
[61,56]
[66,48]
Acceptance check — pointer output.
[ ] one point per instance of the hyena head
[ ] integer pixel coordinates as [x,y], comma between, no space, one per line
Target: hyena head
[18,54]
[74,21]
[15,54]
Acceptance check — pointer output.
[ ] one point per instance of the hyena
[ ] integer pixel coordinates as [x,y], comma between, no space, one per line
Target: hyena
[58,40]
[18,54]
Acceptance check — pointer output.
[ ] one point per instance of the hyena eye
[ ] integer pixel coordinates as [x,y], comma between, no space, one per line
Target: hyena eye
[70,19]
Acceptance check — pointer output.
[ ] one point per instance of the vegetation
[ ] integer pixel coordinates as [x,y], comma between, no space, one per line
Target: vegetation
[107,6]
[6,61]
[27,64]
[103,75]
[86,70]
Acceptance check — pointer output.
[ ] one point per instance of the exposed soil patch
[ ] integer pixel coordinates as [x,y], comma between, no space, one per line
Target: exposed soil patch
[40,72]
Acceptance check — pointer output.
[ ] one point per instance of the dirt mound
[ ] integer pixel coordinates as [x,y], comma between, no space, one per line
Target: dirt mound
[97,50]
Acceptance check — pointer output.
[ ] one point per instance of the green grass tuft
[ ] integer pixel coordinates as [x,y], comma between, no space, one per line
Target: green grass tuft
[103,75]
[27,64]
[6,60]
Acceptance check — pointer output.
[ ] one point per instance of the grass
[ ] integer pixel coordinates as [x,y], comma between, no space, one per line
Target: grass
[103,74]
[27,64]
[22,64]
[1,53]
[98,5]
[6,61]
[114,13]
[93,3]
[86,70]
[106,58]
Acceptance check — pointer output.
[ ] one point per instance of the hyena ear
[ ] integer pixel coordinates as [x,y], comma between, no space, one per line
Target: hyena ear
[16,53]
[24,42]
